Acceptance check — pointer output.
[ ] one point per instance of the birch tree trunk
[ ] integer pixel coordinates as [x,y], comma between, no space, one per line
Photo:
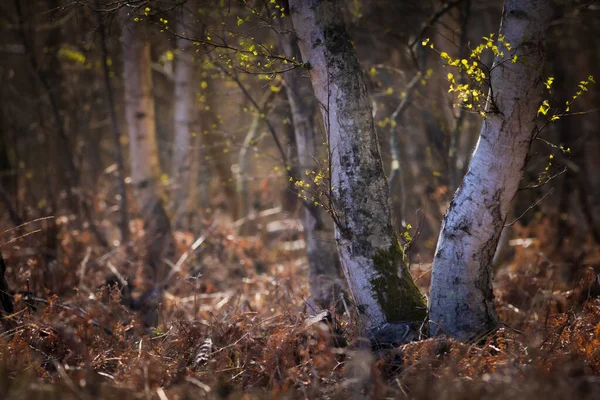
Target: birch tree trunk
[183,101]
[462,300]
[370,254]
[143,149]
[323,261]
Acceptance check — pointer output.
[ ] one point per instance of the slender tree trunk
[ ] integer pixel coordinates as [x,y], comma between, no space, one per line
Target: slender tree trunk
[183,102]
[44,75]
[197,197]
[323,261]
[216,157]
[590,123]
[371,256]
[204,173]
[199,203]
[7,176]
[110,102]
[6,303]
[289,194]
[462,300]
[244,159]
[396,173]
[143,149]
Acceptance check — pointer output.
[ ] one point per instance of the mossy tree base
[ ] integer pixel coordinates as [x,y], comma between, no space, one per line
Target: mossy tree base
[394,288]
[383,291]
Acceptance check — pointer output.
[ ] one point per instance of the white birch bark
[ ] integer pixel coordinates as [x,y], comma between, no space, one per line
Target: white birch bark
[183,102]
[462,301]
[143,149]
[371,257]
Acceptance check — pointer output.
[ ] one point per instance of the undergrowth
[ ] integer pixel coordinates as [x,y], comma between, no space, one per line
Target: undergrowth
[233,323]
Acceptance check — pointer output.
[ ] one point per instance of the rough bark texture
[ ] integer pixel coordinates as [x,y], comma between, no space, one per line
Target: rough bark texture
[143,150]
[184,100]
[323,261]
[462,300]
[371,257]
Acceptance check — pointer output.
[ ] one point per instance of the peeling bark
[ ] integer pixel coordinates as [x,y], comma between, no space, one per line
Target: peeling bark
[371,257]
[462,299]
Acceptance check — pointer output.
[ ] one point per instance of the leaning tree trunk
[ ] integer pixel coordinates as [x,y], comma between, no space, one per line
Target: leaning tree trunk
[183,101]
[462,300]
[143,149]
[323,261]
[370,254]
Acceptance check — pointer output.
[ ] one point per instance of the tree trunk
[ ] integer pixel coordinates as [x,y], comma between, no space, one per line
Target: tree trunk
[114,123]
[589,123]
[244,158]
[50,79]
[371,256]
[323,261]
[6,303]
[217,157]
[198,196]
[8,181]
[462,300]
[143,149]
[184,99]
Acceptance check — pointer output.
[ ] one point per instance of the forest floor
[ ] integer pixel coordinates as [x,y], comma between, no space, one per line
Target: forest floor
[233,323]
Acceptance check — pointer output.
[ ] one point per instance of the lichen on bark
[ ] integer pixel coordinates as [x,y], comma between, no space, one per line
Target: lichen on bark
[394,288]
[377,276]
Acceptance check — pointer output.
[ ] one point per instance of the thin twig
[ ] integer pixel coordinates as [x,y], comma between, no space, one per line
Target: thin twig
[529,208]
[258,109]
[27,223]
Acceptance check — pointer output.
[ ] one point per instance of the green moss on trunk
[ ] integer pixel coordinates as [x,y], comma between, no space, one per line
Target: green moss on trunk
[394,288]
